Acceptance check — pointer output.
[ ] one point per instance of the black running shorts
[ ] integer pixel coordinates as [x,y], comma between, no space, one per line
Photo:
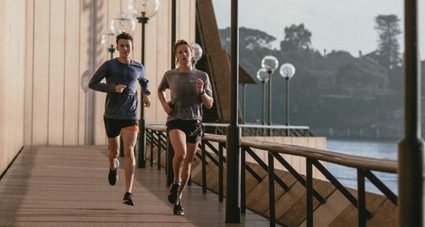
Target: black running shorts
[113,126]
[192,128]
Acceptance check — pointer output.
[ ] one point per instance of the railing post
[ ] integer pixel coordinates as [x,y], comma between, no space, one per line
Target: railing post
[159,150]
[309,188]
[411,147]
[361,198]
[151,143]
[220,173]
[204,168]
[243,183]
[271,189]
[233,210]
[169,162]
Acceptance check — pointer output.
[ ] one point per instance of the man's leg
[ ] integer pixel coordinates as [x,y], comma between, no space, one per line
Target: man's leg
[129,139]
[113,151]
[113,148]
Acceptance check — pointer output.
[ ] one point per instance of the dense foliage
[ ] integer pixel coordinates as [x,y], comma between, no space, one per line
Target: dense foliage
[335,93]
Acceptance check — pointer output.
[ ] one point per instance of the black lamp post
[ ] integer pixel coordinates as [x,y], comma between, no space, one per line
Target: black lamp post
[270,64]
[147,9]
[263,77]
[108,40]
[111,50]
[287,71]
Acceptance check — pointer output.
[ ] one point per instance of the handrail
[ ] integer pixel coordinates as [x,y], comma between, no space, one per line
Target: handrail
[382,165]
[223,125]
[275,126]
[256,129]
[374,164]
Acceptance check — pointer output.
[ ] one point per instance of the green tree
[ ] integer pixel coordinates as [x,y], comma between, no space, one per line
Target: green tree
[361,78]
[388,52]
[248,39]
[296,38]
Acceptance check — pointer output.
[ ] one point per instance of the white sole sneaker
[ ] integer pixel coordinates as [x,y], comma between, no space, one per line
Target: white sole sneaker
[116,163]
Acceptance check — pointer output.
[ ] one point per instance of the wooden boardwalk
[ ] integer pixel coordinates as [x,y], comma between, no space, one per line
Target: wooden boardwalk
[67,186]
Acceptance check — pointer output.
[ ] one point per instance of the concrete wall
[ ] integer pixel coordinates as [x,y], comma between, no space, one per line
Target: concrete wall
[50,48]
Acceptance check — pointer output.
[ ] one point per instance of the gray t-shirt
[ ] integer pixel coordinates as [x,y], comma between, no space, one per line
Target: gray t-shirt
[187,103]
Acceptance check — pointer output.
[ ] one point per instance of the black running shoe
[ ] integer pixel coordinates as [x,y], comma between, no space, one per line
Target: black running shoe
[128,199]
[172,196]
[113,174]
[178,208]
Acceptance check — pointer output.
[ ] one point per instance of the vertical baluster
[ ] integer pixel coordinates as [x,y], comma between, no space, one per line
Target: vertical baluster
[309,189]
[204,168]
[151,142]
[243,184]
[271,190]
[159,150]
[220,173]
[361,200]
[169,165]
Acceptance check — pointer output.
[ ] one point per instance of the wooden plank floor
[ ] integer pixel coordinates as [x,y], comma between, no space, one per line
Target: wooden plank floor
[67,186]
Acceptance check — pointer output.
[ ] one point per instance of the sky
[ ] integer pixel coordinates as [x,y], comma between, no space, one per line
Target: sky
[335,24]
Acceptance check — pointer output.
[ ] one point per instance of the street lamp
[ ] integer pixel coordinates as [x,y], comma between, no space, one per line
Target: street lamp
[122,23]
[287,71]
[143,10]
[270,64]
[263,77]
[197,53]
[108,40]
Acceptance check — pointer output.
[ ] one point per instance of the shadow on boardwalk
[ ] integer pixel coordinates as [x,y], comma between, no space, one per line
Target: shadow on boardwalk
[67,186]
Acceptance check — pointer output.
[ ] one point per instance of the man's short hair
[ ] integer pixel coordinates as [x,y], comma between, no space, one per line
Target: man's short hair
[124,35]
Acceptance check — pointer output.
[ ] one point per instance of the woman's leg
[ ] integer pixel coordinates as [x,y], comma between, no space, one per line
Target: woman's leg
[178,141]
[187,165]
[185,174]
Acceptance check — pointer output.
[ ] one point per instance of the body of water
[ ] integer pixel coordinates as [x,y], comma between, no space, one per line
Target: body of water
[374,149]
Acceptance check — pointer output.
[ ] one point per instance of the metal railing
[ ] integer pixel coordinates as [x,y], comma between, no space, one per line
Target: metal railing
[212,147]
[261,130]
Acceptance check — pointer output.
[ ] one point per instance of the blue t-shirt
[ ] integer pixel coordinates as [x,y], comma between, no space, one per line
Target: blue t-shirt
[120,105]
[187,103]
